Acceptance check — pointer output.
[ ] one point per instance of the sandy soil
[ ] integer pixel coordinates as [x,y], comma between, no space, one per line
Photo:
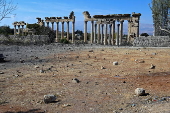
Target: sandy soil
[103,87]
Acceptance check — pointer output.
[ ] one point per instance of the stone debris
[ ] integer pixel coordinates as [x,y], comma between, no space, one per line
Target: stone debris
[141,61]
[66,105]
[140,92]
[90,50]
[102,67]
[1,72]
[75,80]
[152,66]
[36,66]
[115,63]
[41,71]
[49,98]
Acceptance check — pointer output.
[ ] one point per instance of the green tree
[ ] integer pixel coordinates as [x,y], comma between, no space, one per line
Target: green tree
[160,11]
[6,30]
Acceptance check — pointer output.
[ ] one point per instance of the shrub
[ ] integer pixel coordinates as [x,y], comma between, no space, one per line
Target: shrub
[64,41]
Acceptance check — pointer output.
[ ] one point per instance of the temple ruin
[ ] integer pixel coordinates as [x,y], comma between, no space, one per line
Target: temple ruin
[18,24]
[100,23]
[56,20]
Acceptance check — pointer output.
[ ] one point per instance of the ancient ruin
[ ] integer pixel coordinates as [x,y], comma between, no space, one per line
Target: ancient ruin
[103,21]
[56,20]
[18,24]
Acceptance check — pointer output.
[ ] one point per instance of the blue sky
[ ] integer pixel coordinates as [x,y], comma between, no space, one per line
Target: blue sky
[28,10]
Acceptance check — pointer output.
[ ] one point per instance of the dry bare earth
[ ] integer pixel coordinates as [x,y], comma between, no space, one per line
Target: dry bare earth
[103,87]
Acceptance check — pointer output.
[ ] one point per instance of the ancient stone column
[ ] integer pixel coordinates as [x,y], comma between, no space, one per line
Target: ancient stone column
[121,32]
[52,26]
[105,35]
[102,34]
[117,37]
[85,31]
[113,32]
[98,36]
[67,30]
[62,32]
[47,24]
[57,29]
[92,31]
[129,30]
[22,30]
[95,30]
[15,30]
[73,32]
[18,29]
[110,29]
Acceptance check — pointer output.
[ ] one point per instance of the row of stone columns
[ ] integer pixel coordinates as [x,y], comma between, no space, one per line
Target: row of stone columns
[62,30]
[19,29]
[99,33]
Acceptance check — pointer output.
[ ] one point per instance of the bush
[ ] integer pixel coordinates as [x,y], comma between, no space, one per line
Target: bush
[64,41]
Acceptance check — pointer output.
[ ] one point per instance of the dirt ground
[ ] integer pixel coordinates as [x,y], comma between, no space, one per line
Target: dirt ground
[103,87]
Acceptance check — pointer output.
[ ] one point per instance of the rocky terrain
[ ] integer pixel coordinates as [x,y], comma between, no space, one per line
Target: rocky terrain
[84,79]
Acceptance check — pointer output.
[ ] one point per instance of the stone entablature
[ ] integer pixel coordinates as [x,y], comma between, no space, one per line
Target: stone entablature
[105,21]
[56,20]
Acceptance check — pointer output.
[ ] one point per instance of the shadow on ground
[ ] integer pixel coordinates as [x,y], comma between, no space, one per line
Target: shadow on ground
[30,111]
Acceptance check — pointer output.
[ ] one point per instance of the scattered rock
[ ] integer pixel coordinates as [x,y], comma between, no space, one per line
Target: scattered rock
[154,53]
[75,80]
[115,63]
[41,71]
[36,66]
[49,98]
[66,105]
[22,61]
[16,75]
[140,92]
[152,66]
[141,61]
[1,72]
[102,67]
[90,50]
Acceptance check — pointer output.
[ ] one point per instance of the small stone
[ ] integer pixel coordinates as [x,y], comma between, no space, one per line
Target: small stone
[49,98]
[154,53]
[41,71]
[141,61]
[66,105]
[90,50]
[1,72]
[16,75]
[75,80]
[22,61]
[152,66]
[102,67]
[36,66]
[139,91]
[115,63]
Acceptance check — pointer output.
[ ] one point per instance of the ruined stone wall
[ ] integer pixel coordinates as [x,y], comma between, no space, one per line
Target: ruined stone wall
[25,39]
[152,41]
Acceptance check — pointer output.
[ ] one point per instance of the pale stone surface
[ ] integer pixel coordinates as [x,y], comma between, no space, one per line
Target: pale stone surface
[49,98]
[139,91]
[115,63]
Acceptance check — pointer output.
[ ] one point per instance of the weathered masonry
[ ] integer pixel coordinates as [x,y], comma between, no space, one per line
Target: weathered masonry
[100,23]
[18,24]
[56,20]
